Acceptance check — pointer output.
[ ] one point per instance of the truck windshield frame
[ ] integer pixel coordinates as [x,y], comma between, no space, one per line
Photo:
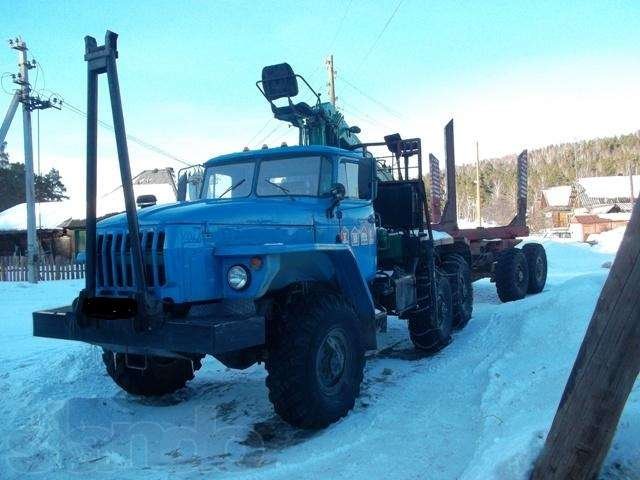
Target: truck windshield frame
[290,176]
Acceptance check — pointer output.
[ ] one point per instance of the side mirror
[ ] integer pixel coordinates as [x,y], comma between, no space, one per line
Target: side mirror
[144,201]
[338,191]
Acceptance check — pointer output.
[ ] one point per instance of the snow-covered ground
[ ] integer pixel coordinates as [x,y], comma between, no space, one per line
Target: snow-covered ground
[478,410]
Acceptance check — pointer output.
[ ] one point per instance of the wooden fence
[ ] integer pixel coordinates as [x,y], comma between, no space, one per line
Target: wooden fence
[14,269]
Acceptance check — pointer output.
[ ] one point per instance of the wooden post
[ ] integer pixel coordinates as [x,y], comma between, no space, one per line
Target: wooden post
[603,375]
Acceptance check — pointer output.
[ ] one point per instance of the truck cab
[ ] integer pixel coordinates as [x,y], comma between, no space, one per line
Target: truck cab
[269,198]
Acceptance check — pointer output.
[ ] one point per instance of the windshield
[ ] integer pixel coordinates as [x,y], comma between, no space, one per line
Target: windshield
[228,181]
[308,175]
[294,176]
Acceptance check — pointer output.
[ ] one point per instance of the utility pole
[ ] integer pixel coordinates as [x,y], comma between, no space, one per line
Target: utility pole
[603,374]
[332,80]
[478,185]
[29,103]
[29,181]
[633,196]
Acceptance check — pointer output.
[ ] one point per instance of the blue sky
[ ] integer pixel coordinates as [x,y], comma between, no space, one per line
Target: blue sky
[513,74]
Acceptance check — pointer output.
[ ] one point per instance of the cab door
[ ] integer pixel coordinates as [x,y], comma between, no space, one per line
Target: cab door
[354,215]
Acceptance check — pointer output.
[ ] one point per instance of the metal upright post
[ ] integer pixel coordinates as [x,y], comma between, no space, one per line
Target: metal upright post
[92,176]
[102,59]
[520,220]
[123,156]
[25,93]
[450,213]
[478,217]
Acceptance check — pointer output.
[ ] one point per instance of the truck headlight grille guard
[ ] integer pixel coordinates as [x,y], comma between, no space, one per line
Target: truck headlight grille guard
[114,261]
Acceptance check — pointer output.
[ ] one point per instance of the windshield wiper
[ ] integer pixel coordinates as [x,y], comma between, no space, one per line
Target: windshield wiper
[231,188]
[284,189]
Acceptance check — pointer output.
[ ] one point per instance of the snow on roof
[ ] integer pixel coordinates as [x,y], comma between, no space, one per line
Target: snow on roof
[158,182]
[49,215]
[602,218]
[558,196]
[617,216]
[113,202]
[613,187]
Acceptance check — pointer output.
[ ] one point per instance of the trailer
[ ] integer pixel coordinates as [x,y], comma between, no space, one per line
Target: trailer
[516,272]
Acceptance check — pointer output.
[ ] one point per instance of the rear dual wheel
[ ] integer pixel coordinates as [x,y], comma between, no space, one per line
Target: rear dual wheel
[521,271]
[537,263]
[512,275]
[459,275]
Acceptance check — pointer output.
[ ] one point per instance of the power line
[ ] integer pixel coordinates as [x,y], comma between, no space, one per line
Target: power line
[364,116]
[375,42]
[133,138]
[339,29]
[259,132]
[265,138]
[366,95]
[333,41]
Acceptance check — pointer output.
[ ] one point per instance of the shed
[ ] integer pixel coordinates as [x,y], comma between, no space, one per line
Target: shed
[584,225]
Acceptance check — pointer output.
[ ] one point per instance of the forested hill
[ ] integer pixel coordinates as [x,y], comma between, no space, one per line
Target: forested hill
[548,166]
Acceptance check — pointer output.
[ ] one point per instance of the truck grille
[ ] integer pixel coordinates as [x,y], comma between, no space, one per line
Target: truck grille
[114,260]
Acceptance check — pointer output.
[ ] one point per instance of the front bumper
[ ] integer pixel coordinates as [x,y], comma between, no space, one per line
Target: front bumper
[194,334]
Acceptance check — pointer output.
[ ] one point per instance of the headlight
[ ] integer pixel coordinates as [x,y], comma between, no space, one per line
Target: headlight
[238,277]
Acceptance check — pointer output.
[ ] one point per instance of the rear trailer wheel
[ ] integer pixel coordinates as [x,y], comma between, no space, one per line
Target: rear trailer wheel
[459,275]
[150,376]
[537,263]
[431,331]
[512,275]
[315,360]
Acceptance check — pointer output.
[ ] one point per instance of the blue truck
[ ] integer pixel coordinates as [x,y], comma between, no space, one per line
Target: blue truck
[291,256]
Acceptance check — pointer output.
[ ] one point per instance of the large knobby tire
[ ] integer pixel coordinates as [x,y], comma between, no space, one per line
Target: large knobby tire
[537,263]
[459,275]
[162,375]
[431,331]
[512,275]
[315,360]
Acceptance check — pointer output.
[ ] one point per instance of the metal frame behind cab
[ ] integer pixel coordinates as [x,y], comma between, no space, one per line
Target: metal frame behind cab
[447,221]
[102,59]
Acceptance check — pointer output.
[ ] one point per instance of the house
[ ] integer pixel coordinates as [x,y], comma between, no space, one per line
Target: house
[61,226]
[589,204]
[594,192]
[582,226]
[50,216]
[557,203]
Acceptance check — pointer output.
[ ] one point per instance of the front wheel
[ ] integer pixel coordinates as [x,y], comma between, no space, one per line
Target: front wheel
[315,360]
[151,375]
[430,330]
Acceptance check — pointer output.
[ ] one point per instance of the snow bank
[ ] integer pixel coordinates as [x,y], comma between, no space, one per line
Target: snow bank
[608,242]
[478,410]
